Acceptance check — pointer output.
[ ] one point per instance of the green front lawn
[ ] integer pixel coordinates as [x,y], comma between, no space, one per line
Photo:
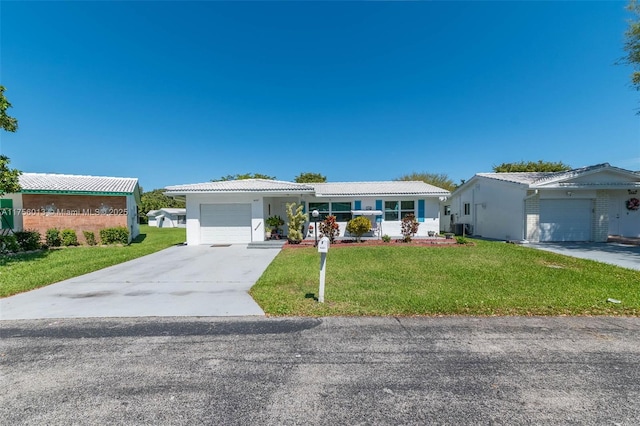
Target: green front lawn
[25,272]
[489,278]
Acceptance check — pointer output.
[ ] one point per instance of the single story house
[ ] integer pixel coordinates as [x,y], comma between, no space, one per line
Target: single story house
[235,211]
[81,203]
[583,204]
[168,217]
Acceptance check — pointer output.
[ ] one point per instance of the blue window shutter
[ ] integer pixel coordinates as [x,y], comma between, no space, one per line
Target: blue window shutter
[379,207]
[420,210]
[357,205]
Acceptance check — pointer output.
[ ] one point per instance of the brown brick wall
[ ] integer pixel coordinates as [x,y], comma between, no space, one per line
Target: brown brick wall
[77,212]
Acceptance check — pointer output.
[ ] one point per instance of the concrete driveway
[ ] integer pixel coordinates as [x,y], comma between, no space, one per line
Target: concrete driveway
[624,255]
[178,281]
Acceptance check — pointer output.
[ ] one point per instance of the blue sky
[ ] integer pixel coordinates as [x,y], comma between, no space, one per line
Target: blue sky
[184,92]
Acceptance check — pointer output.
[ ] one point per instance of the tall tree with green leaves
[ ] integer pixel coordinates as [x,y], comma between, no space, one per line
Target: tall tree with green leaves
[632,44]
[244,176]
[309,177]
[531,166]
[441,180]
[9,178]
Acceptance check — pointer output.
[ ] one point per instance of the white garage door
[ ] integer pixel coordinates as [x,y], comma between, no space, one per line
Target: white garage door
[225,223]
[565,220]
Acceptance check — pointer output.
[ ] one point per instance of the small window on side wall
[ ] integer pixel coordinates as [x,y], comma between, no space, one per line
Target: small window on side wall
[467,209]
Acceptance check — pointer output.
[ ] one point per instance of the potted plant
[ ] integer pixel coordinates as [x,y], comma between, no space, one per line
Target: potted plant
[267,232]
[274,223]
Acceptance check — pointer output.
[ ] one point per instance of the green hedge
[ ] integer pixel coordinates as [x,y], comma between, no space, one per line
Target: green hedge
[69,237]
[116,235]
[8,244]
[28,240]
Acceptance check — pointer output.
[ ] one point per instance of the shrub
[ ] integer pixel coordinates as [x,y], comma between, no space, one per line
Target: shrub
[8,244]
[296,222]
[90,238]
[115,235]
[53,237]
[386,238]
[409,227]
[330,228]
[461,240]
[358,226]
[69,237]
[28,240]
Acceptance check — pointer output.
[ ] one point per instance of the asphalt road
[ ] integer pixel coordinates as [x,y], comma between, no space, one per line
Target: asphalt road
[330,371]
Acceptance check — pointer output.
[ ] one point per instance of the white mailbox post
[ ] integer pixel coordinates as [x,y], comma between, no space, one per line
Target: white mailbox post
[323,249]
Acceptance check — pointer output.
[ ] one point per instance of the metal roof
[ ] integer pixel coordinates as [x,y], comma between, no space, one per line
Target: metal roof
[386,188]
[49,182]
[241,185]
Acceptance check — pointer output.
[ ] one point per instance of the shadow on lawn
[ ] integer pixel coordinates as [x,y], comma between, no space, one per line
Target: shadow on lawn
[140,238]
[8,259]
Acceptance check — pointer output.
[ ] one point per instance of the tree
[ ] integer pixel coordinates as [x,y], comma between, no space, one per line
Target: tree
[441,180]
[531,166]
[244,176]
[632,44]
[309,177]
[9,178]
[155,200]
[7,122]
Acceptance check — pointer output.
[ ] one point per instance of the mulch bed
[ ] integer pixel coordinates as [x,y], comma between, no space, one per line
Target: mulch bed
[420,242]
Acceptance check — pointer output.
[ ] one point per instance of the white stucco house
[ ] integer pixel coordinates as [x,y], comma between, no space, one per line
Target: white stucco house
[584,204]
[235,211]
[168,217]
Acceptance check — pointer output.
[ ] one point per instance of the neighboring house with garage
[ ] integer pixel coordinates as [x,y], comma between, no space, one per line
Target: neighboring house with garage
[584,204]
[81,203]
[235,211]
[168,217]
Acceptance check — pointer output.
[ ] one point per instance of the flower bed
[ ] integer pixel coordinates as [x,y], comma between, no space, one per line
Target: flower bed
[438,242]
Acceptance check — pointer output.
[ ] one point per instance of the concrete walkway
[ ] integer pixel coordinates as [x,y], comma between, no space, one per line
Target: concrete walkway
[178,281]
[624,255]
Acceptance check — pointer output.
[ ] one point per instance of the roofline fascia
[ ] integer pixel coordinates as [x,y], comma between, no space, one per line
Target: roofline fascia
[446,194]
[171,193]
[60,192]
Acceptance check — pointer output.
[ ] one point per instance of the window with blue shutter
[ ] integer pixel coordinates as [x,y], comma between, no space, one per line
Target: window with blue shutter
[420,210]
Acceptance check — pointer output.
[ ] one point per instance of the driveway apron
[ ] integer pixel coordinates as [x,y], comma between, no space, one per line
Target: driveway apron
[624,255]
[178,281]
